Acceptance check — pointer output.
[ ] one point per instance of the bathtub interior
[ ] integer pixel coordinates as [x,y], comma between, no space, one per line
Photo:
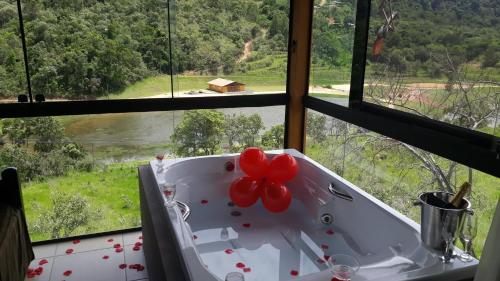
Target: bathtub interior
[293,244]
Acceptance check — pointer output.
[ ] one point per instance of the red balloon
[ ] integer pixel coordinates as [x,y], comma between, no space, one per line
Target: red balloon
[244,192]
[276,197]
[283,168]
[254,162]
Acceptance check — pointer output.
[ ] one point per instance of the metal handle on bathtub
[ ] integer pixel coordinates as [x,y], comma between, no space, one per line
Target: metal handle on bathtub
[339,194]
[185,210]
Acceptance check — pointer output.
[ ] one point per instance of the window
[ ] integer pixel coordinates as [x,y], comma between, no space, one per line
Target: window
[79,173]
[332,46]
[230,47]
[437,59]
[12,77]
[395,172]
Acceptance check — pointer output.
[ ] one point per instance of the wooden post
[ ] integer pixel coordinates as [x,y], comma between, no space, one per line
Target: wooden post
[298,72]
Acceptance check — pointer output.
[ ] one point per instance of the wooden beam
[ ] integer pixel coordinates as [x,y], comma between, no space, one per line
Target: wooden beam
[298,71]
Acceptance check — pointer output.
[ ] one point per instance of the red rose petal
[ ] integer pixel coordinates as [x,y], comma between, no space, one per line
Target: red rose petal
[320,261]
[138,244]
[324,247]
[204,201]
[228,251]
[39,270]
[136,248]
[330,232]
[117,245]
[123,266]
[76,241]
[240,265]
[247,269]
[132,266]
[105,257]
[67,273]
[247,225]
[118,250]
[31,274]
[42,262]
[140,268]
[69,251]
[110,240]
[294,273]
[31,270]
[335,279]
[326,257]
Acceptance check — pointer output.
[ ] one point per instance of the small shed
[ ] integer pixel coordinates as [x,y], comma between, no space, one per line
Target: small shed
[224,86]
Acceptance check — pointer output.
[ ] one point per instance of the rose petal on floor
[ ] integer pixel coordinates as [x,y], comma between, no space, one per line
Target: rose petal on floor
[138,244]
[247,225]
[136,248]
[294,272]
[117,245]
[110,240]
[228,251]
[240,265]
[42,262]
[76,241]
[105,257]
[118,250]
[69,251]
[204,201]
[247,269]
[123,266]
[67,273]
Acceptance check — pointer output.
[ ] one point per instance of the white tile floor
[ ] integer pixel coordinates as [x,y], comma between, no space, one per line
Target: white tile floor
[107,258]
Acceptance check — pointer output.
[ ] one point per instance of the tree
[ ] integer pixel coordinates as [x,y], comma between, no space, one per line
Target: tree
[274,138]
[316,127]
[242,131]
[68,212]
[199,133]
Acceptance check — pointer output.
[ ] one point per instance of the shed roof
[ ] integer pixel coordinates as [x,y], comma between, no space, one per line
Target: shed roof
[223,82]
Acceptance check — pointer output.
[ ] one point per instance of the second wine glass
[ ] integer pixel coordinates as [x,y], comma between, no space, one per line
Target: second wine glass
[468,231]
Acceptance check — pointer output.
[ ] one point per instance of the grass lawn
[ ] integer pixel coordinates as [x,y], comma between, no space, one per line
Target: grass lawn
[112,193]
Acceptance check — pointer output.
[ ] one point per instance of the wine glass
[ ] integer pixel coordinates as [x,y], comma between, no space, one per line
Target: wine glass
[448,228]
[235,276]
[468,231]
[168,192]
[343,267]
[159,164]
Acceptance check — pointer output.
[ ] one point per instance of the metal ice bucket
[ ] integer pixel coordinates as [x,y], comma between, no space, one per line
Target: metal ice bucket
[431,220]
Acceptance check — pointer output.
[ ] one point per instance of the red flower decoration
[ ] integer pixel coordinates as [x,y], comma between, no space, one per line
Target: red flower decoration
[247,269]
[294,273]
[247,225]
[118,250]
[67,273]
[123,266]
[204,201]
[69,251]
[228,251]
[76,241]
[240,265]
[105,257]
[42,262]
[38,271]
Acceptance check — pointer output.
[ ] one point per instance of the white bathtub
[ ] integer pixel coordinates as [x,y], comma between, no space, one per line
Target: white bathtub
[293,245]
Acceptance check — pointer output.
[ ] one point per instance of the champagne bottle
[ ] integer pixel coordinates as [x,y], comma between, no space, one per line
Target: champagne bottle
[457,198]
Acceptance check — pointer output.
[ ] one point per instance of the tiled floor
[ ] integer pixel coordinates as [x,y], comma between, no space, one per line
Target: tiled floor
[107,258]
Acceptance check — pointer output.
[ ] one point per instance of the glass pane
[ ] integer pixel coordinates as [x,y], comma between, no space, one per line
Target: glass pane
[438,59]
[395,172]
[230,47]
[12,74]
[332,45]
[81,50]
[85,167]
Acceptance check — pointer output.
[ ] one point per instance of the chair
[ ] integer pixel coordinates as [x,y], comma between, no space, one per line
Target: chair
[16,251]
